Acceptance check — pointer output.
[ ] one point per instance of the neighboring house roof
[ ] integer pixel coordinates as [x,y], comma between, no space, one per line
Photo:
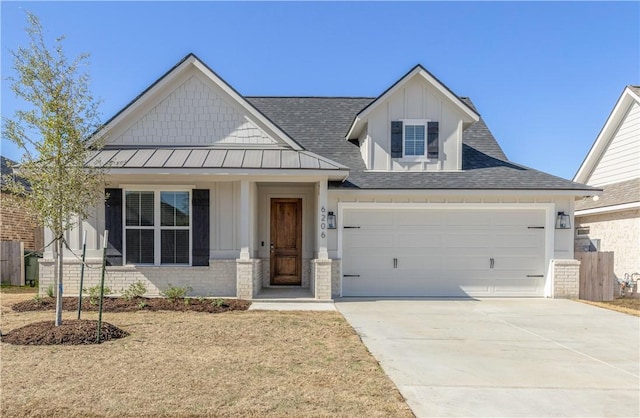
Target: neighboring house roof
[613,195]
[6,169]
[630,96]
[198,158]
[319,124]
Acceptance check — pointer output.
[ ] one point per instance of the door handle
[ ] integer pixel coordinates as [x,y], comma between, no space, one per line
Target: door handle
[395,263]
[491,263]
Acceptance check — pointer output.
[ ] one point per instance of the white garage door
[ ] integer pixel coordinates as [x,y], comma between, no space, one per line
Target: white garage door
[448,253]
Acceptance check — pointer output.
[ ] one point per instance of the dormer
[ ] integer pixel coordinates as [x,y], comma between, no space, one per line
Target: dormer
[415,125]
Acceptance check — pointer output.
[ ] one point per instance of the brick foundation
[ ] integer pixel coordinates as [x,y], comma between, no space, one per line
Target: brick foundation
[249,278]
[218,279]
[321,278]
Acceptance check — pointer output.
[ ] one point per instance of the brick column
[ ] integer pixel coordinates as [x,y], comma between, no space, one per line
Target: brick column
[249,278]
[321,273]
[566,278]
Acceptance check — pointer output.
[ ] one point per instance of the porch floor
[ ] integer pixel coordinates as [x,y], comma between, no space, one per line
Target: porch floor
[285,294]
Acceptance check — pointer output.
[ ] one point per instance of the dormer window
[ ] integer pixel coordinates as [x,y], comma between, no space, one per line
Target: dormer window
[415,139]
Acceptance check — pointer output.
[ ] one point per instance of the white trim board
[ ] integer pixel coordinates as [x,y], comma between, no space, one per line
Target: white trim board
[605,209]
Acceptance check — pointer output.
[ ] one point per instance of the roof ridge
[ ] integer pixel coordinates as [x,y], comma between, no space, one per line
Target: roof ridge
[308,97]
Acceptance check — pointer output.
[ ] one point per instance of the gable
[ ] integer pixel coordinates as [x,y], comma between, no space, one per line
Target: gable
[621,159]
[615,154]
[191,105]
[194,114]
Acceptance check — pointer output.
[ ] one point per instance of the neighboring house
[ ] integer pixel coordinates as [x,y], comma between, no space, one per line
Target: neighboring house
[406,194]
[15,223]
[612,222]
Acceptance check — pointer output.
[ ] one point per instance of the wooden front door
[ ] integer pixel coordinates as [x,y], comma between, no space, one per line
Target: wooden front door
[286,241]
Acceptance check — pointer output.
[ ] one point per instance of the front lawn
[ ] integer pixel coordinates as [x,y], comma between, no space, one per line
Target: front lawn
[247,363]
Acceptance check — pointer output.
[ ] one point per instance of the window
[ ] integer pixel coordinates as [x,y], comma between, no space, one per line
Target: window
[415,139]
[414,136]
[157,227]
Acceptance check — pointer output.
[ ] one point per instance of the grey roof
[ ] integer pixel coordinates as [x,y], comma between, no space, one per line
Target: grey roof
[613,194]
[6,170]
[211,158]
[320,123]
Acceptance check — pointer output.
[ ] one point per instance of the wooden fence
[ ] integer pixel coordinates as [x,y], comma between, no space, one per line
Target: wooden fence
[12,263]
[596,276]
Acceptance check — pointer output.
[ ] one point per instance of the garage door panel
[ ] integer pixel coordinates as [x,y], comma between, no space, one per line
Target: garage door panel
[444,253]
[461,240]
[369,218]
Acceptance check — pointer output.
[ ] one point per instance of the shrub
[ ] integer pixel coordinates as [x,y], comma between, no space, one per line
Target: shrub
[37,299]
[135,290]
[142,304]
[175,292]
[94,293]
[50,292]
[218,302]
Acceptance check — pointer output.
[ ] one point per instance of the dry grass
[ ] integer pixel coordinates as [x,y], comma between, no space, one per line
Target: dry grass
[629,306]
[183,364]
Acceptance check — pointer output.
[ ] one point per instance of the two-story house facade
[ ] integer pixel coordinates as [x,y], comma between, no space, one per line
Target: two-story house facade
[405,194]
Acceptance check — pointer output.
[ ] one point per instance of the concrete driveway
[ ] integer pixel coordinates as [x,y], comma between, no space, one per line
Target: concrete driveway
[504,357]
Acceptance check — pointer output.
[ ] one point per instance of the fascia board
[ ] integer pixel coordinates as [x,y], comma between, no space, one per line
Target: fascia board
[605,136]
[606,209]
[471,192]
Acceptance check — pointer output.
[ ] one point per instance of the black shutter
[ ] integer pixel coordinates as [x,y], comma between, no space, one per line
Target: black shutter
[200,228]
[396,139]
[113,224]
[433,144]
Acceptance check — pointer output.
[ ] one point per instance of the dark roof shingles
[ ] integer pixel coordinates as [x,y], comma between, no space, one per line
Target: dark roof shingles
[613,194]
[319,124]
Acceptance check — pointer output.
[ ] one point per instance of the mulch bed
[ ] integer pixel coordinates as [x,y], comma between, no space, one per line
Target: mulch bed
[74,332]
[136,304]
[70,332]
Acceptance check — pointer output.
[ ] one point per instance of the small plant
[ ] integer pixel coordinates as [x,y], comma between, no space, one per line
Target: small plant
[218,302]
[50,290]
[135,290]
[94,293]
[187,301]
[200,299]
[37,299]
[175,292]
[142,304]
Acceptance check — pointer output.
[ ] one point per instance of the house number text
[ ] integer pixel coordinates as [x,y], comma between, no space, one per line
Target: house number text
[323,220]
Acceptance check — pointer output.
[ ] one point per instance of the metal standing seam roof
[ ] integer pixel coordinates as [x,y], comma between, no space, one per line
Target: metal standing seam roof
[212,158]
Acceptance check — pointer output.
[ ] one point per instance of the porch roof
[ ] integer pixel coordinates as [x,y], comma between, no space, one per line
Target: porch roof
[211,158]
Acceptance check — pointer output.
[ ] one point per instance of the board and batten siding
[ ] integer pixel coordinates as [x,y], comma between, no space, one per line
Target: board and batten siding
[195,113]
[415,100]
[621,160]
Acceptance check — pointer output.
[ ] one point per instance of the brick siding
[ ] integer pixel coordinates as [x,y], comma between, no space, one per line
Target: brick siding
[17,225]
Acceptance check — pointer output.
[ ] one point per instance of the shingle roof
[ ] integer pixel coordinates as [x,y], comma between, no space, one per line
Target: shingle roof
[613,194]
[319,124]
[6,169]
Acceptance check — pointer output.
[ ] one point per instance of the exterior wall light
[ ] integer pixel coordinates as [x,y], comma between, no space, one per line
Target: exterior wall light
[331,221]
[563,221]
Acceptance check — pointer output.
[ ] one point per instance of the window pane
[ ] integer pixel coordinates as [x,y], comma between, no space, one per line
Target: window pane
[140,246]
[414,140]
[139,208]
[174,208]
[174,246]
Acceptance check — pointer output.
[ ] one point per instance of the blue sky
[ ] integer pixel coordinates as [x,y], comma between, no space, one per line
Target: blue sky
[544,76]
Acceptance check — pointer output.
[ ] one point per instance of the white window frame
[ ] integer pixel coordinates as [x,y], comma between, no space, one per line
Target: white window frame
[415,122]
[157,227]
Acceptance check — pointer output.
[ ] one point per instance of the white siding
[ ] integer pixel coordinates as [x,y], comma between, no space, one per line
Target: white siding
[415,100]
[195,113]
[621,160]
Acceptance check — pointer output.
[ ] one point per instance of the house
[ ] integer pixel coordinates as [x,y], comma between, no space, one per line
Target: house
[405,194]
[19,230]
[612,222]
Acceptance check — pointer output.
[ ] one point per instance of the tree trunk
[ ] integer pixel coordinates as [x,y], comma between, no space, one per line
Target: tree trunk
[58,275]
